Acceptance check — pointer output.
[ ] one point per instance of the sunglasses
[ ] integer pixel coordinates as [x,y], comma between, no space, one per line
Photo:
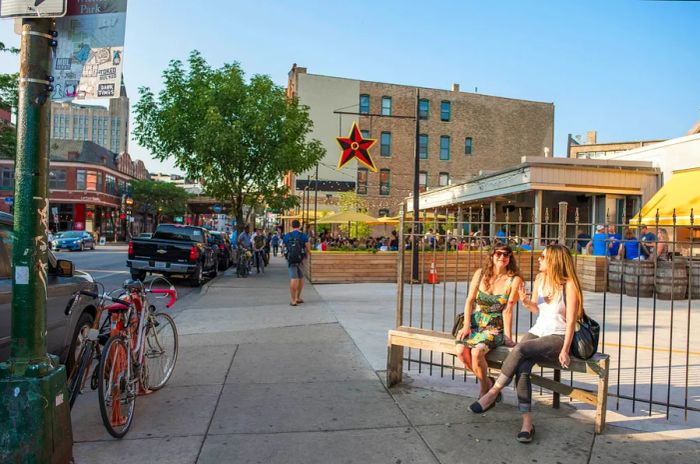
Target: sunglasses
[502,254]
[542,257]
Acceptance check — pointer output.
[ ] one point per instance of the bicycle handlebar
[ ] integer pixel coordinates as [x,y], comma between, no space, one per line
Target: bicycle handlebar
[105,296]
[168,291]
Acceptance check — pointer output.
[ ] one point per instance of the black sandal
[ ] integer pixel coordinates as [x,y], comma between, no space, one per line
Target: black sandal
[526,437]
[476,407]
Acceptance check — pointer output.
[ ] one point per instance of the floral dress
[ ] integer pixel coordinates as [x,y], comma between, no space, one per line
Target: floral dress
[487,319]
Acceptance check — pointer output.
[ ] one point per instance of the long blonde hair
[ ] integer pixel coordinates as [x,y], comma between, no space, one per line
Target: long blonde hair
[559,270]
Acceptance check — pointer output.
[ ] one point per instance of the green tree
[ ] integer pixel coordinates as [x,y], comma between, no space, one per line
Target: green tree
[9,95]
[161,199]
[350,201]
[240,138]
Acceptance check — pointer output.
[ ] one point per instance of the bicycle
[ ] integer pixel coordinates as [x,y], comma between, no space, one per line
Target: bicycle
[259,260]
[244,265]
[139,339]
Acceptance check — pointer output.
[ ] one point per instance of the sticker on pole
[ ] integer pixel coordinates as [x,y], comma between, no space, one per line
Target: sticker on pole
[21,275]
[32,8]
[90,52]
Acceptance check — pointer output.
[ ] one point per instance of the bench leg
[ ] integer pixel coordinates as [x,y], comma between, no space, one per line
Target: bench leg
[394,365]
[602,400]
[556,396]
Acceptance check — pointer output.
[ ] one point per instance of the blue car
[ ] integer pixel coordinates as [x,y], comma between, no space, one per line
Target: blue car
[74,240]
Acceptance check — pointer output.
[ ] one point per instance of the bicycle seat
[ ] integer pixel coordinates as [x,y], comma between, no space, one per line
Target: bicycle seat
[117,308]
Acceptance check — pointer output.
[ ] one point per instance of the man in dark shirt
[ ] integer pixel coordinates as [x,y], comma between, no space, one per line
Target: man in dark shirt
[582,239]
[295,273]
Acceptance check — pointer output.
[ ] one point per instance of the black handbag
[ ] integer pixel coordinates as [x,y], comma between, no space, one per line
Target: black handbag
[459,323]
[586,335]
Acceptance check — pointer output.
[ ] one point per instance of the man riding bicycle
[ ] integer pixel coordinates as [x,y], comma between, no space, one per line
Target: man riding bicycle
[244,251]
[259,250]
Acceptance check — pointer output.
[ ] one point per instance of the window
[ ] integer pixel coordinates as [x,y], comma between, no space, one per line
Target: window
[80,179]
[422,181]
[91,181]
[423,146]
[444,179]
[386,106]
[383,212]
[385,144]
[444,147]
[99,181]
[445,109]
[468,146]
[57,179]
[8,179]
[110,185]
[423,108]
[365,133]
[362,181]
[384,181]
[364,104]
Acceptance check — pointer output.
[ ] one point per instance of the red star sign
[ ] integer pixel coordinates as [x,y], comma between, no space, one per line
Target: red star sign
[354,146]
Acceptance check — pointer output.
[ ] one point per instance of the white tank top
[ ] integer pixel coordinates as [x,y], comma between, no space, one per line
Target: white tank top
[551,319]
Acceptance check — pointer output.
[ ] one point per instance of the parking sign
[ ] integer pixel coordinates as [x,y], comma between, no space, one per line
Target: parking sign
[33,8]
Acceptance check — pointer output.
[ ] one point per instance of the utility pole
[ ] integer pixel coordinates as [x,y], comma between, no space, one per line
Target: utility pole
[316,203]
[34,406]
[416,194]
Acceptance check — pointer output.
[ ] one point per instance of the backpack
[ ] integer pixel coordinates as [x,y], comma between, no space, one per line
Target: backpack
[295,249]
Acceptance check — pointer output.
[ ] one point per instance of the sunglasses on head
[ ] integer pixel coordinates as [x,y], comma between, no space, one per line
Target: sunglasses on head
[501,253]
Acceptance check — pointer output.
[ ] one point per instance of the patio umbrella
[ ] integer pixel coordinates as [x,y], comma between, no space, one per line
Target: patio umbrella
[346,216]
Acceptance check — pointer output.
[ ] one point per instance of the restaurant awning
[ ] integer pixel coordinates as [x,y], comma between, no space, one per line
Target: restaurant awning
[681,193]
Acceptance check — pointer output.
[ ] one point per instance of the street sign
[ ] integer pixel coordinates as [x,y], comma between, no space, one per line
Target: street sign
[217,208]
[33,8]
[9,200]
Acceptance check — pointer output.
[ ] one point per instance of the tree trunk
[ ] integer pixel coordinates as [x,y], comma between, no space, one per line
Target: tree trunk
[237,206]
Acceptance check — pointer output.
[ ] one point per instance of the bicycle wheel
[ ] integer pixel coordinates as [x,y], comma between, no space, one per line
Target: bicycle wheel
[160,355]
[77,380]
[116,388]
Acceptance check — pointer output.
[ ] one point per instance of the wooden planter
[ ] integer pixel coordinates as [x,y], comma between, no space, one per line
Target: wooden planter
[592,272]
[338,267]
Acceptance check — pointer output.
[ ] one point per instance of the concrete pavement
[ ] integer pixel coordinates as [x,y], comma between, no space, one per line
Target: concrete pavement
[259,381]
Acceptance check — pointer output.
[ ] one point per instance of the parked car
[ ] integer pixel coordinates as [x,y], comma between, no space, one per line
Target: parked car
[74,240]
[146,235]
[174,249]
[222,242]
[64,331]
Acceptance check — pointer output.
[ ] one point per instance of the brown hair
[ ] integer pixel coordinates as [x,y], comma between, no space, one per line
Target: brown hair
[561,269]
[488,270]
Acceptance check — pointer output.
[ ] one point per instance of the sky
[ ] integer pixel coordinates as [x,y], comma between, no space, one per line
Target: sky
[629,69]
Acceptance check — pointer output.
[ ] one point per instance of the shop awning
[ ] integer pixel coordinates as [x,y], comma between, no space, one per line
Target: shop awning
[680,194]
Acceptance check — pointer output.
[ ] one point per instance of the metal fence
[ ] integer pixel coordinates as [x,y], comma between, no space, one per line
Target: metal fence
[648,308]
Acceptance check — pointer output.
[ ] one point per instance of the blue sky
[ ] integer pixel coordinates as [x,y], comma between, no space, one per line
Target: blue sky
[628,69]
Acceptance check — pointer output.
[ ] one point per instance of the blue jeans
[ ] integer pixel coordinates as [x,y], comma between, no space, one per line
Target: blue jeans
[529,351]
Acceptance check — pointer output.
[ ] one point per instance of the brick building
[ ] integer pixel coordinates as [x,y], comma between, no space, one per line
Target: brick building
[591,149]
[87,187]
[461,134]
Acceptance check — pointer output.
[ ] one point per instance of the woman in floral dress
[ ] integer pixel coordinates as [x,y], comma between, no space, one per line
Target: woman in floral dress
[494,292]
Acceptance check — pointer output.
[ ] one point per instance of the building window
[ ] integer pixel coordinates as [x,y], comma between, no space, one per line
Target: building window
[383,212]
[422,181]
[385,147]
[423,146]
[384,181]
[444,147]
[445,110]
[365,133]
[444,179]
[386,106]
[110,185]
[80,179]
[99,181]
[364,104]
[91,181]
[468,146]
[423,108]
[362,181]
[57,179]
[8,179]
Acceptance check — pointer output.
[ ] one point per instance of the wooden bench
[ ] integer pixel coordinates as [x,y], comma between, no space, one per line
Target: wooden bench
[598,365]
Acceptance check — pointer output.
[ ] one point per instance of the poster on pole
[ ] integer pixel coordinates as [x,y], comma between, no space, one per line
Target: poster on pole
[90,51]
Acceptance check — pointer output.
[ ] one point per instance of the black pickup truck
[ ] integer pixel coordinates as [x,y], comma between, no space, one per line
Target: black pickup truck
[174,249]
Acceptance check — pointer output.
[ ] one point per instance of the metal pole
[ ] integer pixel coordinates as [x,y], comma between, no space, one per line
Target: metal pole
[33,397]
[416,191]
[316,203]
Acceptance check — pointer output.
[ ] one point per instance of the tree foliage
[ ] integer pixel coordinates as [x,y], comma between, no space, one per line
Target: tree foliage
[238,137]
[158,198]
[350,201]
[9,96]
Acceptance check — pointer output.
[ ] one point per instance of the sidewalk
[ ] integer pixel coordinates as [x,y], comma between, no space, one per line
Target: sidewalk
[259,381]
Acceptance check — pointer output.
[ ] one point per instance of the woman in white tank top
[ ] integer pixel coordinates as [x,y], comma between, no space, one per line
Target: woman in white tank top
[558,301]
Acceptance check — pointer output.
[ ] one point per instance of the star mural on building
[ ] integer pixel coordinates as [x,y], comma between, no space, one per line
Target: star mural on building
[354,146]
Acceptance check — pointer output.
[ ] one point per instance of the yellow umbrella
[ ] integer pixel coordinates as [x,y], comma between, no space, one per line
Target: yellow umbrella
[384,221]
[346,216]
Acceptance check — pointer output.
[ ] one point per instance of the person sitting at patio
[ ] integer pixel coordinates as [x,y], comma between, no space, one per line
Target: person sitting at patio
[526,245]
[582,239]
[631,248]
[614,240]
[597,246]
[661,249]
[394,243]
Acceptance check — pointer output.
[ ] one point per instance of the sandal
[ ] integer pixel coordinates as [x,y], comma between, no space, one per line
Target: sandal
[292,304]
[526,437]
[300,301]
[476,407]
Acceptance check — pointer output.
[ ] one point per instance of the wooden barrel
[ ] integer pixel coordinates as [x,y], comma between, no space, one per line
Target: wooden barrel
[614,275]
[694,277]
[671,280]
[638,274]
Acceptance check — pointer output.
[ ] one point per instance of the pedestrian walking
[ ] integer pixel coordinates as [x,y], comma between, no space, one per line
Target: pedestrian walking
[558,301]
[275,242]
[296,244]
[494,290]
